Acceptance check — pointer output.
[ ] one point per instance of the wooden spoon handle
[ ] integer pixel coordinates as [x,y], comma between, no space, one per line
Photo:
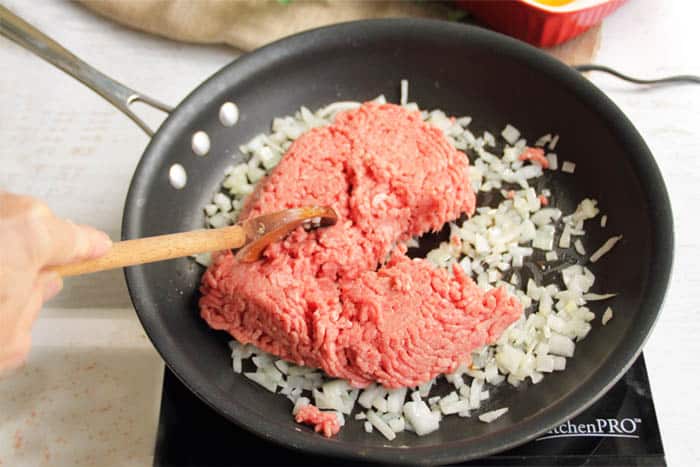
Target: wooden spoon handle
[159,248]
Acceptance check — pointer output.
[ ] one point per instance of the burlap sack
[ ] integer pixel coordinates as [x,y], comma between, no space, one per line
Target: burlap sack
[248,24]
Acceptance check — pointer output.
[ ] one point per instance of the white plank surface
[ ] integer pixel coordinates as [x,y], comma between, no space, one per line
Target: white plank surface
[90,393]
[649,38]
[66,145]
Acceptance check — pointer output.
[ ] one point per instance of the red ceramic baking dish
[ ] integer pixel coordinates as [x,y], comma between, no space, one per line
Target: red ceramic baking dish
[543,23]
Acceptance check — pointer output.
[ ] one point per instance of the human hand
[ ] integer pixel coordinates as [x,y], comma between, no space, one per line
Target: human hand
[32,238]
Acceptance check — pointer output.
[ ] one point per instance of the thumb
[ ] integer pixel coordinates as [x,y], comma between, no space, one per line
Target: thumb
[71,242]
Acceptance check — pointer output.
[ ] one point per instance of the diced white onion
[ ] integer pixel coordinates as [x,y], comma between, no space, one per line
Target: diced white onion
[404,92]
[559,363]
[397,425]
[561,345]
[542,140]
[301,402]
[605,248]
[568,167]
[489,417]
[595,296]
[262,379]
[380,425]
[553,143]
[396,399]
[418,414]
[510,134]
[607,316]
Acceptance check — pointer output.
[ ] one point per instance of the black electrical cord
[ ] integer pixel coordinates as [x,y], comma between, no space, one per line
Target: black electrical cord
[669,79]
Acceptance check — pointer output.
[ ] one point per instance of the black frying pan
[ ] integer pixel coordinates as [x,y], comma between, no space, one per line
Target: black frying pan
[463,70]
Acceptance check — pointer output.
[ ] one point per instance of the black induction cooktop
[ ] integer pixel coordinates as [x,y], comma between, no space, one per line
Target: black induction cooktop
[621,429]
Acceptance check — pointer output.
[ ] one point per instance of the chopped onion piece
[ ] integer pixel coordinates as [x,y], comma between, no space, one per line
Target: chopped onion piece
[447,400]
[336,107]
[424,388]
[210,209]
[203,259]
[594,296]
[568,167]
[397,425]
[368,395]
[545,363]
[544,238]
[380,425]
[380,402]
[327,401]
[262,379]
[607,316]
[489,417]
[475,394]
[542,140]
[510,134]
[561,345]
[559,363]
[565,239]
[605,248]
[404,92]
[553,144]
[421,419]
[396,399]
[509,358]
[455,407]
[301,402]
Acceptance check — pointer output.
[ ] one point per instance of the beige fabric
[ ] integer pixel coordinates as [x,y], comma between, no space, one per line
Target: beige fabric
[248,24]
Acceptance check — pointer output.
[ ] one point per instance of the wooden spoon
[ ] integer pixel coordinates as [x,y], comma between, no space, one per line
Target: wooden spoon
[251,236]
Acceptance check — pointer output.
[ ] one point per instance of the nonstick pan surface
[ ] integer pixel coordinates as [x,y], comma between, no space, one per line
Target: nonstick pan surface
[464,71]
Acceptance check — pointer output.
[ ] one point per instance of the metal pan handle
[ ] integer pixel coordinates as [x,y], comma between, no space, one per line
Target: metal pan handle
[15,28]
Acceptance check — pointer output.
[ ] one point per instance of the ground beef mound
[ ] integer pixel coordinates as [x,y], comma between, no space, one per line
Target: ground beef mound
[346,298]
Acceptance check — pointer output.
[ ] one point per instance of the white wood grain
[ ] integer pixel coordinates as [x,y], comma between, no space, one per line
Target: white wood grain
[87,397]
[648,38]
[90,392]
[66,145]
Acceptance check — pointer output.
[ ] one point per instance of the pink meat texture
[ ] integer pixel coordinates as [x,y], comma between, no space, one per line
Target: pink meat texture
[325,423]
[346,298]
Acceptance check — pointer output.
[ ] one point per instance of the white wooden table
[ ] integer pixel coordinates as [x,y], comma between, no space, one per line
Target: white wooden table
[90,392]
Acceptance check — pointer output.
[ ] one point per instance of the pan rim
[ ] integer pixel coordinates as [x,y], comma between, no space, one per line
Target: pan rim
[575,402]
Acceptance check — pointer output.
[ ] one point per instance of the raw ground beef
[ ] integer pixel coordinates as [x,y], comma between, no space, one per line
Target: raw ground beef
[346,298]
[323,422]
